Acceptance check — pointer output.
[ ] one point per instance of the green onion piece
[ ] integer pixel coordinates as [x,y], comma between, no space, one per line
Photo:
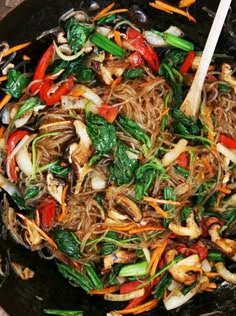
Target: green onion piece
[187,289]
[135,269]
[61,312]
[175,41]
[215,255]
[103,42]
[94,277]
[184,172]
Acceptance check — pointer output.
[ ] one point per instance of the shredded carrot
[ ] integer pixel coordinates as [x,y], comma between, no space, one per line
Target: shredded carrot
[165,294]
[144,229]
[15,49]
[76,92]
[208,166]
[117,38]
[103,11]
[3,78]
[44,235]
[156,256]
[224,190]
[211,274]
[139,309]
[116,81]
[1,131]
[63,204]
[122,228]
[160,5]
[5,100]
[186,3]
[165,111]
[107,290]
[26,58]
[158,209]
[170,202]
[114,12]
[218,200]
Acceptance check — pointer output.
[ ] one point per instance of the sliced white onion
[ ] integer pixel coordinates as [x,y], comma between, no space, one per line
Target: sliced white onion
[23,158]
[206,267]
[176,298]
[132,155]
[9,187]
[98,182]
[229,153]
[77,103]
[174,153]
[124,297]
[23,120]
[225,273]
[103,30]
[147,254]
[65,57]
[174,285]
[90,94]
[6,115]
[157,41]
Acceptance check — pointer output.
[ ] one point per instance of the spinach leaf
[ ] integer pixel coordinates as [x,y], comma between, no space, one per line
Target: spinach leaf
[16,83]
[75,276]
[77,33]
[133,73]
[175,57]
[59,170]
[162,285]
[186,210]
[106,19]
[145,176]
[108,247]
[83,74]
[20,202]
[123,167]
[99,197]
[184,172]
[31,192]
[26,106]
[132,128]
[67,243]
[101,132]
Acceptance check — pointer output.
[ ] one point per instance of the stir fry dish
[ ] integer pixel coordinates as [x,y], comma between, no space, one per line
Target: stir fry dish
[102,172]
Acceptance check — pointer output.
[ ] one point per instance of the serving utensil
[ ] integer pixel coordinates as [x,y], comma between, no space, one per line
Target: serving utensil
[191,104]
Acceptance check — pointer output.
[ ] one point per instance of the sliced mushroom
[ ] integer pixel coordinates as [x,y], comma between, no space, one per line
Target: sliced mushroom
[23,272]
[84,150]
[225,273]
[33,237]
[120,256]
[55,187]
[103,73]
[126,204]
[184,276]
[192,230]
[227,75]
[228,246]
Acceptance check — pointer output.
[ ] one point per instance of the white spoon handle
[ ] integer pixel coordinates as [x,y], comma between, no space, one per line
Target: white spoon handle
[191,104]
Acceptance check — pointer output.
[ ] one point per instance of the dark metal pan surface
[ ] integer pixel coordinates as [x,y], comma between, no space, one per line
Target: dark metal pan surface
[48,289]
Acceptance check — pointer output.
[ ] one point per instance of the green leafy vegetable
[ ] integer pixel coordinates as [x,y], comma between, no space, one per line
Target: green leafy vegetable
[67,243]
[188,288]
[61,312]
[162,286]
[123,168]
[132,128]
[185,213]
[99,197]
[108,247]
[31,192]
[175,57]
[106,19]
[83,74]
[145,176]
[57,169]
[16,83]
[184,172]
[20,202]
[92,274]
[28,105]
[132,73]
[77,33]
[101,132]
[75,276]
[103,42]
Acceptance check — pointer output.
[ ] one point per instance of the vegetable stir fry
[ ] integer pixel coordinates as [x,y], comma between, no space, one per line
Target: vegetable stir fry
[132,199]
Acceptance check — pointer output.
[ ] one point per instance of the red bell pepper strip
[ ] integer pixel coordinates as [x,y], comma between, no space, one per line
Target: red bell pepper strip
[134,285]
[187,63]
[12,141]
[136,40]
[227,141]
[41,69]
[201,249]
[135,59]
[55,97]
[183,160]
[184,250]
[47,211]
[137,301]
[108,112]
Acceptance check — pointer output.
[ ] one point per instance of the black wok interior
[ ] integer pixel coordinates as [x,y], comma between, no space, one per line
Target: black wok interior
[48,289]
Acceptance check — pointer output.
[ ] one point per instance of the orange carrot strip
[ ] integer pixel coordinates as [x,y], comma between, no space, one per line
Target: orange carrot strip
[160,5]
[211,274]
[139,309]
[3,78]
[144,229]
[165,111]
[63,204]
[158,253]
[150,199]
[224,190]
[103,11]
[26,58]
[15,49]
[208,166]
[107,290]
[186,3]
[158,209]
[117,38]
[76,92]
[116,81]
[45,236]
[122,228]
[114,12]
[1,131]
[5,100]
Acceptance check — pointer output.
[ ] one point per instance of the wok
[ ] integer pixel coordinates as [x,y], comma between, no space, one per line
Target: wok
[48,289]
